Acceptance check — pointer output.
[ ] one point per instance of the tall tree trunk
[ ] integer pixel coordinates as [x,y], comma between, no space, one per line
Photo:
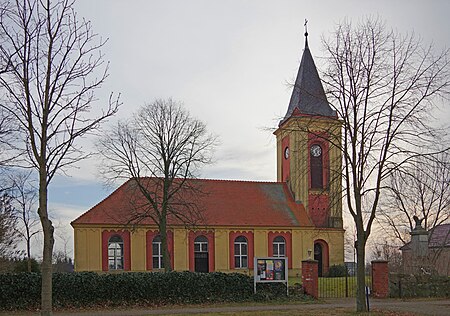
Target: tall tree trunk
[165,246]
[48,229]
[28,256]
[361,274]
[28,244]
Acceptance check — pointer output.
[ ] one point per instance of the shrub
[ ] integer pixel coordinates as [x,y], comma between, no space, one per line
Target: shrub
[22,290]
[269,291]
[22,266]
[405,285]
[337,271]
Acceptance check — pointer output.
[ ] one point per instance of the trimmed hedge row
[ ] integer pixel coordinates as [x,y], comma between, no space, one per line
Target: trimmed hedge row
[337,270]
[22,291]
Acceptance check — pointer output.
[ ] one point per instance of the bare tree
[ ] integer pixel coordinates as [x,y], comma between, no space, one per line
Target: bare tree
[160,149]
[389,251]
[24,195]
[65,239]
[61,262]
[8,223]
[54,67]
[423,191]
[350,242]
[383,86]
[7,133]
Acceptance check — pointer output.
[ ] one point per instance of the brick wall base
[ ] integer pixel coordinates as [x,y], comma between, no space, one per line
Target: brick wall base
[380,279]
[310,277]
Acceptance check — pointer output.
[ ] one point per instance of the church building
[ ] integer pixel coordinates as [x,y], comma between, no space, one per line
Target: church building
[299,216]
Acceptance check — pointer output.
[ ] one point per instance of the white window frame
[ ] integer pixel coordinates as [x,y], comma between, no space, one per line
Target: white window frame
[239,255]
[116,247]
[202,243]
[276,245]
[157,241]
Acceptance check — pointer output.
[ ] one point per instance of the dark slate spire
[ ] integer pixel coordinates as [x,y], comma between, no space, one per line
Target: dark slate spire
[308,96]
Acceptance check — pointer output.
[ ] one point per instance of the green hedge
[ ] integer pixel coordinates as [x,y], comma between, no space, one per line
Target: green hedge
[22,290]
[337,270]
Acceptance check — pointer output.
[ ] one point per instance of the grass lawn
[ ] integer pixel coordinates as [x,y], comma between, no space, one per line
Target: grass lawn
[313,312]
[334,287]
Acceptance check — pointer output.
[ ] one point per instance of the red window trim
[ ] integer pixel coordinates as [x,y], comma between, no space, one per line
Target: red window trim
[150,235]
[250,245]
[288,238]
[211,249]
[125,235]
[321,140]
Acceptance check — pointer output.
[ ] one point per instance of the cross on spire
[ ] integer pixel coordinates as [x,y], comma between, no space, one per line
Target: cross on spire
[306,32]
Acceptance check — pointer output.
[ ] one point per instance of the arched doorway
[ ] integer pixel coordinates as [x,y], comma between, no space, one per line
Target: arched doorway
[321,255]
[318,256]
[201,254]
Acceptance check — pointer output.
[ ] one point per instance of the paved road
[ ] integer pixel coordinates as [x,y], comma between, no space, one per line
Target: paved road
[415,307]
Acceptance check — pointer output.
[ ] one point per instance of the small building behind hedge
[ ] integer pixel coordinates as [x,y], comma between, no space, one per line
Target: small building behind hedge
[299,216]
[438,255]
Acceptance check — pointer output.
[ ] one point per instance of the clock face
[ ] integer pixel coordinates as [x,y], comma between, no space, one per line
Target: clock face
[286,153]
[316,151]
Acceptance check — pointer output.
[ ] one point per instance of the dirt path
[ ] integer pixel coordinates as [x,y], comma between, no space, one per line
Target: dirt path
[413,307]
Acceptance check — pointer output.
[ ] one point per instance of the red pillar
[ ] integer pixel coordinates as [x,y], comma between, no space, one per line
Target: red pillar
[310,277]
[380,279]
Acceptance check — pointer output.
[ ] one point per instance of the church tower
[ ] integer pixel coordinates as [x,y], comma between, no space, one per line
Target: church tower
[308,148]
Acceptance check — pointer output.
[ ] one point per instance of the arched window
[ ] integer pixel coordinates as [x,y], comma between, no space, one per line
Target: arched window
[279,247]
[115,253]
[316,165]
[157,257]
[240,252]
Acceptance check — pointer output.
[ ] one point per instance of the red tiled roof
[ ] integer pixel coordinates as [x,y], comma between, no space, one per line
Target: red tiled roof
[224,203]
[440,236]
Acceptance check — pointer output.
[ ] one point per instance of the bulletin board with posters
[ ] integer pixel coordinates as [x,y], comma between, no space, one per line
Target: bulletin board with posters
[270,269]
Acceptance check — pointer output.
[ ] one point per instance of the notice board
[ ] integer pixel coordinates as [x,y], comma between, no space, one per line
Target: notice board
[270,269]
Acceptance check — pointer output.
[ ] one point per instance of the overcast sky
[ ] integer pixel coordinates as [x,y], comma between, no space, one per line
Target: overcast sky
[229,62]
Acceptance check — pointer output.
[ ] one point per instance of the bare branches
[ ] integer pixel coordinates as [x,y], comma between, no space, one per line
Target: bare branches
[24,198]
[8,132]
[161,149]
[52,65]
[423,190]
[383,86]
[8,224]
[55,67]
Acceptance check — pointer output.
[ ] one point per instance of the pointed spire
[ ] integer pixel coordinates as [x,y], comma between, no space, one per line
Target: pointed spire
[306,33]
[308,96]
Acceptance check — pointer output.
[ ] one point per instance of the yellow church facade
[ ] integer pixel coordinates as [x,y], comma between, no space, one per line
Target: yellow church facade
[299,216]
[88,247]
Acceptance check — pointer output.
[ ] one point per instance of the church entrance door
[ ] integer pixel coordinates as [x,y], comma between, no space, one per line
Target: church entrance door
[318,255]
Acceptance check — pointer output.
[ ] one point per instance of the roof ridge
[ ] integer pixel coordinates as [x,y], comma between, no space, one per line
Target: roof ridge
[227,180]
[236,180]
